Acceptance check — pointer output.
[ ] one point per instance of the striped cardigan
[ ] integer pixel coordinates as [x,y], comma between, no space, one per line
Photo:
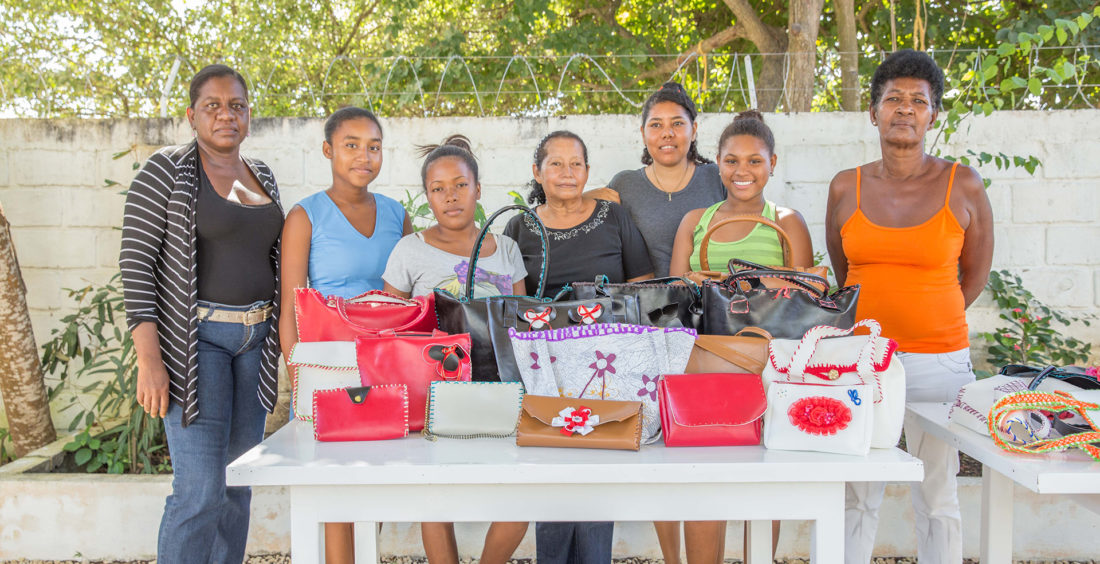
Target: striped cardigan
[159,269]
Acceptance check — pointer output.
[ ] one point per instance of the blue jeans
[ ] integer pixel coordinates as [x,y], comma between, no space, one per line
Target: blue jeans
[204,521]
[573,543]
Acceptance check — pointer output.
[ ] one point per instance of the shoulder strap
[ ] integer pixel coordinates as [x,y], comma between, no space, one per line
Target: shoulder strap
[950,183]
[859,181]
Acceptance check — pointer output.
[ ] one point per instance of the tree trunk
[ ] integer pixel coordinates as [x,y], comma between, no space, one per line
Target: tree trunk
[849,55]
[771,43]
[21,382]
[802,24]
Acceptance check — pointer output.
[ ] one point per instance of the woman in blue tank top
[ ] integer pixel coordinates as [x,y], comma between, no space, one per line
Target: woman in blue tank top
[339,240]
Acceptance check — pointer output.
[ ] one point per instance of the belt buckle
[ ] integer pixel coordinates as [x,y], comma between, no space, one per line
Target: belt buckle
[254,316]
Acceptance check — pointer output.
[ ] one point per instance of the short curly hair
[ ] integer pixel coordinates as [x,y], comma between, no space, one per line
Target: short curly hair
[908,63]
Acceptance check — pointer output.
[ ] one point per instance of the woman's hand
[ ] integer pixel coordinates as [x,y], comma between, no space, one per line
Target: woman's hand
[152,376]
[603,194]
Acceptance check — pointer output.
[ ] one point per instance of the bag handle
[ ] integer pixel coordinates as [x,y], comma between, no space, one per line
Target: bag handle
[865,366]
[485,231]
[784,240]
[380,297]
[1058,401]
[804,280]
[759,331]
[341,310]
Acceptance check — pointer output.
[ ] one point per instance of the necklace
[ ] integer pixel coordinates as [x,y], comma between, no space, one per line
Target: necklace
[661,187]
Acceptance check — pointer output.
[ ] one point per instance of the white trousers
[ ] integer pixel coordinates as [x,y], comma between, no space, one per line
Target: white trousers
[928,378]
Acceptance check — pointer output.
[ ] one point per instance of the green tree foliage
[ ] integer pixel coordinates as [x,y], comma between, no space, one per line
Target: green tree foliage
[476,57]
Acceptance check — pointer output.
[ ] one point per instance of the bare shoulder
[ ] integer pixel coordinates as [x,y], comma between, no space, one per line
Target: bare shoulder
[692,217]
[297,221]
[843,183]
[788,215]
[968,183]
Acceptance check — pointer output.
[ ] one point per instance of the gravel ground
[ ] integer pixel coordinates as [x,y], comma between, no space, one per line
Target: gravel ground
[285,559]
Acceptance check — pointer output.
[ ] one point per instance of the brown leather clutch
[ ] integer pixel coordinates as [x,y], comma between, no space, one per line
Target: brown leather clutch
[579,423]
[743,353]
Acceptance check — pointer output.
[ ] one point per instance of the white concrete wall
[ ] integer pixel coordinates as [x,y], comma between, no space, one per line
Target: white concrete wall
[65,221]
[94,517]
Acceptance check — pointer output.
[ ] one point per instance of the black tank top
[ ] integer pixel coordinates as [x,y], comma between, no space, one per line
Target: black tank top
[234,247]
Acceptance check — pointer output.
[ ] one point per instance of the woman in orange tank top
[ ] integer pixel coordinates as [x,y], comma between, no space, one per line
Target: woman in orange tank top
[916,233]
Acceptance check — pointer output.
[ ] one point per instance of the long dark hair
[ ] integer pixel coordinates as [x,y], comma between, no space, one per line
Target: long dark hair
[673,92]
[456,145]
[537,195]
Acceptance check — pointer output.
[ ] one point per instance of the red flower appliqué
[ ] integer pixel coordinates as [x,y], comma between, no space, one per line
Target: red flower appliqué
[819,415]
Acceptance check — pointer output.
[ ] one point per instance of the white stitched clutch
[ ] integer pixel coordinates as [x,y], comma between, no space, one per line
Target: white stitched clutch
[321,365]
[466,410]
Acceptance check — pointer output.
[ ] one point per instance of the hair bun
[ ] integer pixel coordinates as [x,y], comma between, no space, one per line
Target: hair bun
[674,86]
[750,114]
[458,140]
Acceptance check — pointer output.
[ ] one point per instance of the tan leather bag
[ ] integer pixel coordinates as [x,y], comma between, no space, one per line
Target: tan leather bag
[543,423]
[705,273]
[743,353]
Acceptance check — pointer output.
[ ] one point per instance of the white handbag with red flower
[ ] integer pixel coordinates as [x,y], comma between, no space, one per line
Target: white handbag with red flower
[833,391]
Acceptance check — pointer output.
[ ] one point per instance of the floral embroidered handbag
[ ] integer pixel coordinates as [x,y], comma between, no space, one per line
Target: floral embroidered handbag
[612,361]
[864,367]
[316,366]
[338,319]
[526,314]
[415,360]
[467,314]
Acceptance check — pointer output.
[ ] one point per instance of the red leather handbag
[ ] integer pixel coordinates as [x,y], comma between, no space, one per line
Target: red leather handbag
[713,409]
[370,413]
[338,319]
[415,360]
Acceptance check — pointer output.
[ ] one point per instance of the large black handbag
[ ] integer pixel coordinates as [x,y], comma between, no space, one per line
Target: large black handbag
[467,314]
[662,302]
[742,300]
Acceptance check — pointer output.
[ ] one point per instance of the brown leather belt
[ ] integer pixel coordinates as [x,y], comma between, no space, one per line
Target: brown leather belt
[250,317]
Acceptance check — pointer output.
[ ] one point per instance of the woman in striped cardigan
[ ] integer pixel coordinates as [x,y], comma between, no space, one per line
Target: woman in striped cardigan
[199,263]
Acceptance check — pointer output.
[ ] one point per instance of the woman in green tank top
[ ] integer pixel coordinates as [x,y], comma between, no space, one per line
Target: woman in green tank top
[746,157]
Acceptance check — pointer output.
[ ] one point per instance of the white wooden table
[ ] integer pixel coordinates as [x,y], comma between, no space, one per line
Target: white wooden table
[413,480]
[1070,473]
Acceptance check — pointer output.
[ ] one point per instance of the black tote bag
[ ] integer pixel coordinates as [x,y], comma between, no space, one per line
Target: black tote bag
[662,302]
[467,314]
[742,300]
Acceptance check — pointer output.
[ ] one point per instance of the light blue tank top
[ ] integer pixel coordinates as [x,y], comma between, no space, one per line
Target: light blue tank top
[342,261]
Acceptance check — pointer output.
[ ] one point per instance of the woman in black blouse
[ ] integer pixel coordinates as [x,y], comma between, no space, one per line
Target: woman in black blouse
[588,237]
[199,261]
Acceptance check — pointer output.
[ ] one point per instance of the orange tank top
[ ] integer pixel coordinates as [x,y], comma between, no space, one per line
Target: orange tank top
[909,277]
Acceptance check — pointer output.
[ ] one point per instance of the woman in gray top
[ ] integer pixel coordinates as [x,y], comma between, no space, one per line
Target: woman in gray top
[676,178]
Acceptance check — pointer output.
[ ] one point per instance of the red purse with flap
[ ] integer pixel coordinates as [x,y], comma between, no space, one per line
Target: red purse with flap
[370,413]
[713,409]
[415,360]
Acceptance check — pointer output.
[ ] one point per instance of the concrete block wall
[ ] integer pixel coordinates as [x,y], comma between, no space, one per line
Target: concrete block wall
[65,221]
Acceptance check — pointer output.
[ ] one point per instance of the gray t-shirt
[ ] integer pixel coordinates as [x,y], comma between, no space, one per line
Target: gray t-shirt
[657,214]
[418,268]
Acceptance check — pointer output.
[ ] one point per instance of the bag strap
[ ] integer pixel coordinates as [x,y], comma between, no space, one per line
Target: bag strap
[378,296]
[754,331]
[784,240]
[1058,401]
[805,281]
[544,241]
[804,352]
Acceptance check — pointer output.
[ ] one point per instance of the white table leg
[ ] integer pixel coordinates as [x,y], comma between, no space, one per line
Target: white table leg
[996,517]
[305,530]
[758,542]
[366,542]
[827,536]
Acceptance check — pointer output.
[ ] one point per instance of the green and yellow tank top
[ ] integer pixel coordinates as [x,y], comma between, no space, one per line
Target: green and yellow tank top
[761,245]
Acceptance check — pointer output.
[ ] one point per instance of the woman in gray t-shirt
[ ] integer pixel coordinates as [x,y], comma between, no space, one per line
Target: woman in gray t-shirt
[675,180]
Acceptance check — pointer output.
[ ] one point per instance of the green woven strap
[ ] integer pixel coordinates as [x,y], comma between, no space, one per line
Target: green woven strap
[1055,402]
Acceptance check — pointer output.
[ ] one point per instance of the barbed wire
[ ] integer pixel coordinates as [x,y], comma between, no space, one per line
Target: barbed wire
[524,85]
